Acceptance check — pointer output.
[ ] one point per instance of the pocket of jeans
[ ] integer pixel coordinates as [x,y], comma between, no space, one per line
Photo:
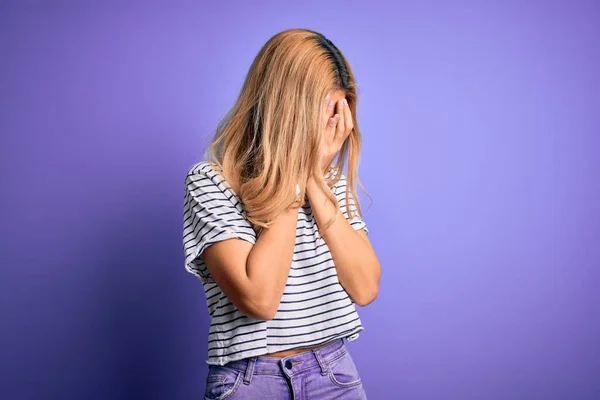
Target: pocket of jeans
[343,372]
[221,383]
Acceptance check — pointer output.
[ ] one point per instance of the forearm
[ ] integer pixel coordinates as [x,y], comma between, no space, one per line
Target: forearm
[268,264]
[355,260]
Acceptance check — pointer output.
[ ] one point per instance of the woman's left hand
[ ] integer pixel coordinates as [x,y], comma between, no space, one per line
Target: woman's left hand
[338,128]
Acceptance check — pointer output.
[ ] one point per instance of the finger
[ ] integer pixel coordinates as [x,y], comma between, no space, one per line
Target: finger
[349,122]
[331,128]
[329,105]
[340,127]
[328,110]
[332,122]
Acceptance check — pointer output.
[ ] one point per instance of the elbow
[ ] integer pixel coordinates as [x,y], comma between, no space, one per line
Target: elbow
[259,309]
[367,297]
[261,314]
[370,291]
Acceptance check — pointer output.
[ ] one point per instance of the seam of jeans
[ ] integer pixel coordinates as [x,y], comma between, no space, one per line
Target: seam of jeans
[235,387]
[344,384]
[341,352]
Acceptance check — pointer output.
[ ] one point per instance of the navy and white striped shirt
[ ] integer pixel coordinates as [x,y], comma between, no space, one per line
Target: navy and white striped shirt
[314,308]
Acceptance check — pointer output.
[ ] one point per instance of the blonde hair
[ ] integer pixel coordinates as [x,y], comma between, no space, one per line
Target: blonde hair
[270,140]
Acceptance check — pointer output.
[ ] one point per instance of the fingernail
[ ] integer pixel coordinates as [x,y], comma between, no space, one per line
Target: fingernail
[331,121]
[330,105]
[345,102]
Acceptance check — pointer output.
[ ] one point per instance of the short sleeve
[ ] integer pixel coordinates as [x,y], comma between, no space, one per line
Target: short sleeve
[211,213]
[340,193]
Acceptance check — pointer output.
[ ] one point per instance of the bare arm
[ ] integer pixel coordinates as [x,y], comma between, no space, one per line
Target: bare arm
[355,260]
[253,277]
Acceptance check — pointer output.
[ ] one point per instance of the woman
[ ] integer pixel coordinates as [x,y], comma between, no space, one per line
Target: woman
[272,230]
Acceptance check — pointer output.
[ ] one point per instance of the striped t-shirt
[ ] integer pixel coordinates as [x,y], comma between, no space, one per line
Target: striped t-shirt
[314,308]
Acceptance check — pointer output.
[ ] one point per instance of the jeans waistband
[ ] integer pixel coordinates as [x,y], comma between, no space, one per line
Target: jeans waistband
[290,365]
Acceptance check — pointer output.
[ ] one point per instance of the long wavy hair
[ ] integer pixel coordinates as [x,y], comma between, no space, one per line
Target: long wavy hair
[270,141]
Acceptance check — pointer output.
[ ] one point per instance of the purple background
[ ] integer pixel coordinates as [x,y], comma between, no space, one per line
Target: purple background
[481,125]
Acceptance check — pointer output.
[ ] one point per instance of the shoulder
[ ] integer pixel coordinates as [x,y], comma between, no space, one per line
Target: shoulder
[204,179]
[203,170]
[206,174]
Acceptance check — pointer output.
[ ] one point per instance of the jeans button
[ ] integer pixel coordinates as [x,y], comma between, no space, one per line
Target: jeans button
[288,364]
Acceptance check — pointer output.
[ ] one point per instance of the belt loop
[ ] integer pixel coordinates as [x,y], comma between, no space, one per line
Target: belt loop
[322,363]
[249,370]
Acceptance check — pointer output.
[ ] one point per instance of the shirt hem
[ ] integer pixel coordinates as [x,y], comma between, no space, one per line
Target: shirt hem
[218,361]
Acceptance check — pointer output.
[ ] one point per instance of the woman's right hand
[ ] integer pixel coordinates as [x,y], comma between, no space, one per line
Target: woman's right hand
[338,128]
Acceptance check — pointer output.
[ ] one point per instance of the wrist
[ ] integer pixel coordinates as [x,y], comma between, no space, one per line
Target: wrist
[313,189]
[311,183]
[325,166]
